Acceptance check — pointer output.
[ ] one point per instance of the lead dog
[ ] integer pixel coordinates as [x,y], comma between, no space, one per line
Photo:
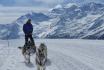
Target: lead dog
[27,50]
[41,56]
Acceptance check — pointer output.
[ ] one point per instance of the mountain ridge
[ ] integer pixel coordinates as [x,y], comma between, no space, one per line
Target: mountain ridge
[70,22]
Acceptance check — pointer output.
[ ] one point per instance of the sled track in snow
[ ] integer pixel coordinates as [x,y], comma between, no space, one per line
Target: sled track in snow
[58,61]
[59,58]
[64,62]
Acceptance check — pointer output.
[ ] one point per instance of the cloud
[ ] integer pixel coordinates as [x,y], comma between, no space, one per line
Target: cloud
[10,14]
[45,3]
[1,5]
[10,10]
[48,3]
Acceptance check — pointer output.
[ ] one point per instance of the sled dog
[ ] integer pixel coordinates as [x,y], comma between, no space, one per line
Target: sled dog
[27,50]
[41,57]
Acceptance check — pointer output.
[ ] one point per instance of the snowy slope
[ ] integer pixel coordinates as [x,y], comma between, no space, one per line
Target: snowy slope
[14,30]
[63,54]
[79,21]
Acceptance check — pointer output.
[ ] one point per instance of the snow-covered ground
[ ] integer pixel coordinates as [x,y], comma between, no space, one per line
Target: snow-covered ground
[63,54]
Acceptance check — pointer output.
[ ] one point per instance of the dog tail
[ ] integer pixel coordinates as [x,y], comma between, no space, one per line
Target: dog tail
[20,47]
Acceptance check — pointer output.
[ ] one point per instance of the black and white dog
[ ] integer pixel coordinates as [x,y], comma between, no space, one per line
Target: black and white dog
[27,50]
[41,57]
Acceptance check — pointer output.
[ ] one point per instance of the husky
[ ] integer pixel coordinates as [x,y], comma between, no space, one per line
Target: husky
[41,57]
[27,51]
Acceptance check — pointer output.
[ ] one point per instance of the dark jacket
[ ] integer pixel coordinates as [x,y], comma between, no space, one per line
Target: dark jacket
[28,28]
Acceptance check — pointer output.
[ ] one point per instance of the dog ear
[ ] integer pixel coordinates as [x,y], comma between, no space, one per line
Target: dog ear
[39,50]
[42,45]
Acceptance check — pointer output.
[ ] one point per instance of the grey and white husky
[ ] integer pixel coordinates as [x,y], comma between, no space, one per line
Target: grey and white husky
[41,57]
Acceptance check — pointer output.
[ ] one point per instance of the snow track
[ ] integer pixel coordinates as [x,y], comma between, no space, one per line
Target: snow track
[62,55]
[68,62]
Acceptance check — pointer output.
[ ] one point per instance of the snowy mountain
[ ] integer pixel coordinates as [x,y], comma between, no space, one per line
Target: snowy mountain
[63,21]
[79,21]
[14,30]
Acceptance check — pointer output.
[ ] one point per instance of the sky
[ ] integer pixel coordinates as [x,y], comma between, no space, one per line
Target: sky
[10,10]
[38,3]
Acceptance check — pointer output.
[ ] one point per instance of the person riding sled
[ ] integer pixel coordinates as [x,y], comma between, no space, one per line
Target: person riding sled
[28,30]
